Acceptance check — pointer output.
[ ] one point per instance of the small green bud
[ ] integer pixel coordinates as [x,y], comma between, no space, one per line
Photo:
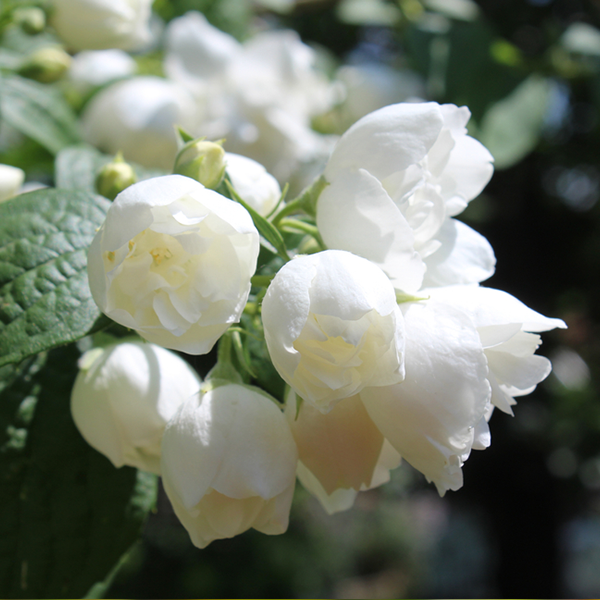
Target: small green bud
[203,161]
[114,177]
[46,65]
[32,20]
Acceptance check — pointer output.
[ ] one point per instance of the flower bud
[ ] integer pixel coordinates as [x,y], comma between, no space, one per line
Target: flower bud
[11,180]
[123,397]
[114,177]
[203,161]
[32,20]
[229,463]
[46,65]
[333,327]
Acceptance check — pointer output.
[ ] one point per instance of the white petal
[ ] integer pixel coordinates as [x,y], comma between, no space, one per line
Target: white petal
[430,416]
[464,256]
[387,140]
[341,499]
[356,214]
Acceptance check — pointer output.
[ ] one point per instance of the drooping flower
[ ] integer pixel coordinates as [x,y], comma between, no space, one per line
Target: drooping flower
[102,24]
[123,397]
[333,327]
[339,453]
[397,177]
[173,261]
[229,463]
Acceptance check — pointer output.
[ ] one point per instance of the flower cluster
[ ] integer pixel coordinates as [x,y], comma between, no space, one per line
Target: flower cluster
[388,345]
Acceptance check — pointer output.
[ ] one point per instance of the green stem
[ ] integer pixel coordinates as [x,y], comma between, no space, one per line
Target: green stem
[304,227]
[261,280]
[290,208]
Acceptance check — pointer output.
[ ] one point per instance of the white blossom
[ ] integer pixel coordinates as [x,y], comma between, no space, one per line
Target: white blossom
[397,177]
[260,96]
[229,463]
[137,117]
[253,183]
[333,327]
[11,180]
[123,397]
[173,261]
[102,24]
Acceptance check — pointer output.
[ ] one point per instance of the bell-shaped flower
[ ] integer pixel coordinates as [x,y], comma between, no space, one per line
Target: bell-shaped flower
[229,464]
[137,117]
[123,397]
[11,180]
[333,327]
[251,181]
[431,417]
[508,331]
[339,453]
[396,177]
[102,24]
[173,261]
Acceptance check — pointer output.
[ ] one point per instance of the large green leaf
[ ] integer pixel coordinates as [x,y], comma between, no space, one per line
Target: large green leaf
[76,168]
[39,111]
[67,514]
[45,299]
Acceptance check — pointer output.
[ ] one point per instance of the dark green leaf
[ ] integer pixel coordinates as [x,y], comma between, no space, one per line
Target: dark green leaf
[45,299]
[39,111]
[67,514]
[76,168]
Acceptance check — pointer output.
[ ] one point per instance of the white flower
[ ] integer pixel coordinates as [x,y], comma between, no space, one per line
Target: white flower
[333,327]
[252,182]
[339,453]
[123,397]
[430,417]
[173,261]
[507,329]
[93,68]
[396,178]
[260,96]
[100,24]
[138,118]
[228,464]
[11,180]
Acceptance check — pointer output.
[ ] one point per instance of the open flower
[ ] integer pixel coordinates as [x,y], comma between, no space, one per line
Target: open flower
[123,397]
[229,463]
[100,24]
[173,261]
[333,327]
[396,177]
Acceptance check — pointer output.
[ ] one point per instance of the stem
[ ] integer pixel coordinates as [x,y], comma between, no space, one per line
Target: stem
[261,280]
[296,205]
[304,227]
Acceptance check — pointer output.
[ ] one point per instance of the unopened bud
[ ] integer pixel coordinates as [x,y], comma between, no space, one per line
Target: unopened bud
[32,20]
[203,161]
[114,177]
[46,65]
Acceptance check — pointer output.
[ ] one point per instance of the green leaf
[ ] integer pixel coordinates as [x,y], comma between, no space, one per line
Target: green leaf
[512,127]
[45,300]
[67,514]
[76,168]
[39,111]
